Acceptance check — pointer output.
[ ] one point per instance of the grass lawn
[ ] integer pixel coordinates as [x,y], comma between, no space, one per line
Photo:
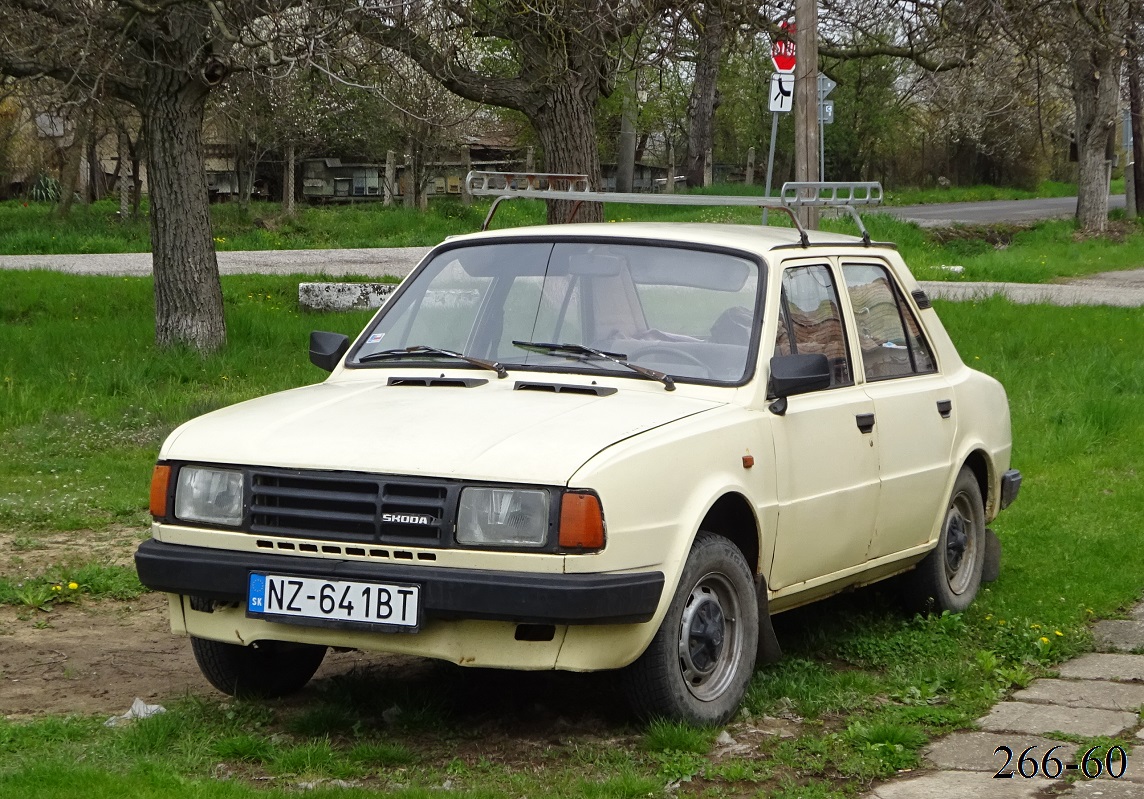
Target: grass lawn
[85,401]
[1045,252]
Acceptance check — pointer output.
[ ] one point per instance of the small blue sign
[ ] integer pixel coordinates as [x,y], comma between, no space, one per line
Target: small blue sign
[257,594]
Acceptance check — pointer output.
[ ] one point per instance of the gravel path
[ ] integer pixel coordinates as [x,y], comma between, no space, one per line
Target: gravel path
[1125,288]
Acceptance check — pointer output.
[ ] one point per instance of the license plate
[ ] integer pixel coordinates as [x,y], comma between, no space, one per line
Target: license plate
[309,600]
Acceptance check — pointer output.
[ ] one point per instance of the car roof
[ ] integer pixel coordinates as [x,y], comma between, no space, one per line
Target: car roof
[752,238]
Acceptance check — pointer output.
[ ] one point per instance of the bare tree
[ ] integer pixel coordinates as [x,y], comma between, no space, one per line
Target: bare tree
[163,58]
[550,60]
[713,26]
[1085,39]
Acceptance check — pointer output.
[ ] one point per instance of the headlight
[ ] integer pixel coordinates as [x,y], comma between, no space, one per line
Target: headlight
[209,495]
[503,517]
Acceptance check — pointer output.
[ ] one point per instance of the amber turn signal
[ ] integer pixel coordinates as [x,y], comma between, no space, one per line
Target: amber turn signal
[581,522]
[160,479]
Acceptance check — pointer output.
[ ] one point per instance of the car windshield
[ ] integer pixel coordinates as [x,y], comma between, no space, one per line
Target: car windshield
[687,313]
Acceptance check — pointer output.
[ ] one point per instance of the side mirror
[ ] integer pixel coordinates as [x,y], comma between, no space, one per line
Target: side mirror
[797,374]
[326,349]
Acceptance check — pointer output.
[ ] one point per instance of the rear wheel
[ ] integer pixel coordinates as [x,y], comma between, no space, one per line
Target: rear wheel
[697,667]
[264,669]
[949,576]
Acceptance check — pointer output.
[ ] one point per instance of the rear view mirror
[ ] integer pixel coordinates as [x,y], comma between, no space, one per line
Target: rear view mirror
[327,349]
[799,374]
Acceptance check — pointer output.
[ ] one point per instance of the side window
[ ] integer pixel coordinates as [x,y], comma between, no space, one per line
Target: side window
[810,320]
[888,334]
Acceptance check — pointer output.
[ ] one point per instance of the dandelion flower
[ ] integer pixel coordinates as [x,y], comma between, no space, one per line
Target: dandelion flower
[73,585]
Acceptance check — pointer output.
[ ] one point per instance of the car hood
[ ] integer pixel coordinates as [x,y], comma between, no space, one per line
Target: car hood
[488,432]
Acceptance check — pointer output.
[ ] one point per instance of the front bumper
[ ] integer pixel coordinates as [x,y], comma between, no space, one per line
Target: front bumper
[519,597]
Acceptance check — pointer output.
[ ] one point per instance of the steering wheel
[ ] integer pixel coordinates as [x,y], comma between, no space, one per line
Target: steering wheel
[677,355]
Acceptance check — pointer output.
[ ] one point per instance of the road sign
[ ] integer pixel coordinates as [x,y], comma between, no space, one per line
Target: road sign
[782,92]
[826,112]
[782,50]
[825,86]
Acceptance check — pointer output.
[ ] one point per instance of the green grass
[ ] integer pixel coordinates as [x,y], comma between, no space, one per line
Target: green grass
[1045,252]
[64,584]
[862,687]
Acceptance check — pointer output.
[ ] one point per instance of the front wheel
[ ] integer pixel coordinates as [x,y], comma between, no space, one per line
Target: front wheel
[698,665]
[949,576]
[263,670]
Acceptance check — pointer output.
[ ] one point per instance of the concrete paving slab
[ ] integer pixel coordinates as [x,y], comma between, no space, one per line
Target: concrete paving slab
[1119,635]
[961,785]
[1084,693]
[1105,788]
[1137,611]
[1025,717]
[1126,668]
[977,751]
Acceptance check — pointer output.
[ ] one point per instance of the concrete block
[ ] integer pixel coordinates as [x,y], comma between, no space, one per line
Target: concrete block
[1125,668]
[961,785]
[1024,717]
[1084,693]
[977,751]
[343,296]
[1120,635]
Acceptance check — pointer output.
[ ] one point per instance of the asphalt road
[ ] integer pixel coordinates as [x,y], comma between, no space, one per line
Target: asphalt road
[980,213]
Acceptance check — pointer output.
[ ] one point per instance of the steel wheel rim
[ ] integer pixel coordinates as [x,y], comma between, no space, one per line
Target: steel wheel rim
[710,637]
[960,544]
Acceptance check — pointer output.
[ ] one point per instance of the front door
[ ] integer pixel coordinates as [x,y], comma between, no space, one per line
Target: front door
[913,404]
[826,455]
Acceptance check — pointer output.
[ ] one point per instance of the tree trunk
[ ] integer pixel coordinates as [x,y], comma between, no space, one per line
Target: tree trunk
[626,149]
[288,182]
[1096,87]
[565,123]
[188,293]
[69,180]
[1136,106]
[244,171]
[124,180]
[704,99]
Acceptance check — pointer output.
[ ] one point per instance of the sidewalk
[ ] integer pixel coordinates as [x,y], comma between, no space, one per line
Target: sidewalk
[1097,694]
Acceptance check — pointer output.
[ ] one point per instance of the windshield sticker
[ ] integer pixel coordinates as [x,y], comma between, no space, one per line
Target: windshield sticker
[375,338]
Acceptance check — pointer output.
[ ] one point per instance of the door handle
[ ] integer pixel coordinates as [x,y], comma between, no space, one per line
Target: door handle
[944,407]
[865,422]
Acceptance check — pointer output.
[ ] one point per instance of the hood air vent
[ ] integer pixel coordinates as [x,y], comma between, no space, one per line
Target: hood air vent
[456,382]
[561,388]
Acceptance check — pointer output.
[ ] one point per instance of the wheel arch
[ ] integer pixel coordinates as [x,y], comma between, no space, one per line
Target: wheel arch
[732,517]
[979,463]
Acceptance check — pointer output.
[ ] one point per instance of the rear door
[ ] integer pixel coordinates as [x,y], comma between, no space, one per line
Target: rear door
[913,406]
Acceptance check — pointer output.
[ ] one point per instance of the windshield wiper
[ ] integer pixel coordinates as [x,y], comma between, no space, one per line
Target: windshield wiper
[614,357]
[422,349]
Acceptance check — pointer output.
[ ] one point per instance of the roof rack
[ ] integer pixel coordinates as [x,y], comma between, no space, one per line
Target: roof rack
[576,188]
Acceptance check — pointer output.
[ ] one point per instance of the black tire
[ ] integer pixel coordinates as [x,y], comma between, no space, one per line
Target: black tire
[949,576]
[697,667]
[263,670]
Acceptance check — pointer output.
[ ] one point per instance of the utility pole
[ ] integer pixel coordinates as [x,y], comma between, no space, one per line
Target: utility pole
[806,100]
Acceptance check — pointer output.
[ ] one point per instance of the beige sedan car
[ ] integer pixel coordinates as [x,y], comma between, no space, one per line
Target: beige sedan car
[588,447]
